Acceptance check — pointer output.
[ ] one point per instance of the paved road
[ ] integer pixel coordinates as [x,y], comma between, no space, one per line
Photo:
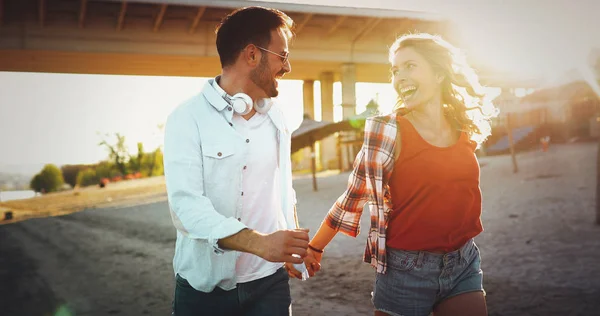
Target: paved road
[100,262]
[541,251]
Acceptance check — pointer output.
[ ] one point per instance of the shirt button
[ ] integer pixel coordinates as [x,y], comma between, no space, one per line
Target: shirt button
[247,140]
[239,219]
[230,124]
[245,167]
[242,193]
[219,154]
[228,108]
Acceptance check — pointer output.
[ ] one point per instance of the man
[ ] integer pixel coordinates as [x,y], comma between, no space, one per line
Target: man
[228,174]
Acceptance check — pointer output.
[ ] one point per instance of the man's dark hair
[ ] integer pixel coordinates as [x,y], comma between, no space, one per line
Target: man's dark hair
[250,25]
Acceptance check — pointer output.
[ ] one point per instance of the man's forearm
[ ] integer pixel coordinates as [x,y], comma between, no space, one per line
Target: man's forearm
[246,240]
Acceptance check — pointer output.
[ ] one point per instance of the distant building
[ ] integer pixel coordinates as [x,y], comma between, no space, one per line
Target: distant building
[562,113]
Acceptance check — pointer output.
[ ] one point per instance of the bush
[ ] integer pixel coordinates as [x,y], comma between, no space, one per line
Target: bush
[50,179]
[87,177]
[70,173]
[106,169]
[152,164]
[37,183]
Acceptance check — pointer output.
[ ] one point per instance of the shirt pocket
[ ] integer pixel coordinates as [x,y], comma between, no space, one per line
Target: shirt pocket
[219,162]
[218,151]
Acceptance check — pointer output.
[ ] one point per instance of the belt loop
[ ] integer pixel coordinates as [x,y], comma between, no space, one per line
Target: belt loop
[420,259]
[465,249]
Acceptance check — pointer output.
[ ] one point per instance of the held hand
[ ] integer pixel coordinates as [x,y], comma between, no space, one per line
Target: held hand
[292,271]
[313,261]
[281,245]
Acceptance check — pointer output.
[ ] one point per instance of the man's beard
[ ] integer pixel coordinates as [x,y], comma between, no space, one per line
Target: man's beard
[263,79]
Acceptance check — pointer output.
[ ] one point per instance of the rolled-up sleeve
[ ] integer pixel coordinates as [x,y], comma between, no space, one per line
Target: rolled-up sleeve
[192,212]
[345,214]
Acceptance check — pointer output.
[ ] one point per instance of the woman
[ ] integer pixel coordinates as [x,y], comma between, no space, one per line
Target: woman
[418,170]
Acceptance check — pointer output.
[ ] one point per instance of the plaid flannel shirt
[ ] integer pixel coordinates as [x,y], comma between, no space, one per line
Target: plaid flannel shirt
[369,182]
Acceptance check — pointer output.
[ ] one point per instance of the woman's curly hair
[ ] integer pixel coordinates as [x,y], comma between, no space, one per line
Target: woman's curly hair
[463,97]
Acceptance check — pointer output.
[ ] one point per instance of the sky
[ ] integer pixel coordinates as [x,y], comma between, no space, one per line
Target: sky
[61,118]
[56,118]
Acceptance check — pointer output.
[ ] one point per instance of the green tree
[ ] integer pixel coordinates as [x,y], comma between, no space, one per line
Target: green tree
[50,179]
[152,164]
[158,168]
[135,162]
[117,152]
[37,183]
[70,173]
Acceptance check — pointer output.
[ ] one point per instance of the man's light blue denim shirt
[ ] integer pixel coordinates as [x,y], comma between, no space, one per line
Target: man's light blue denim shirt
[203,159]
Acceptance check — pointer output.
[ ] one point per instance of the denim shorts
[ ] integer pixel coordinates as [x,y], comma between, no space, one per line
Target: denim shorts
[415,281]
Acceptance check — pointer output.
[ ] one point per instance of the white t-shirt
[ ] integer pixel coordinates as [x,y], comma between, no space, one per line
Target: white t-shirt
[261,199]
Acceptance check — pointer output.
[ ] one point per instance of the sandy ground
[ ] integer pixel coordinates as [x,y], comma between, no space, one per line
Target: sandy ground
[540,249]
[116,194]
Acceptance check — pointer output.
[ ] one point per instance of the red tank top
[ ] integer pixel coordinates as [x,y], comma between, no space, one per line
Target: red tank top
[435,194]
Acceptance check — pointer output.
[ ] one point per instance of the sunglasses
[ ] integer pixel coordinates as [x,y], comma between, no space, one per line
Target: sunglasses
[284,57]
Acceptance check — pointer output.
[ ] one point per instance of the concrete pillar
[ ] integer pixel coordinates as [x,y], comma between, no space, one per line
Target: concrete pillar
[327,147]
[326,79]
[348,110]
[308,92]
[308,97]
[349,90]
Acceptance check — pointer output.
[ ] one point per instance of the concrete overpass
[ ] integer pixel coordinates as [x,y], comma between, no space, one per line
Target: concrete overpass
[120,37]
[176,38]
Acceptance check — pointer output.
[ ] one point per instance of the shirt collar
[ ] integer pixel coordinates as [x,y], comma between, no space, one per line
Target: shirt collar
[216,97]
[215,94]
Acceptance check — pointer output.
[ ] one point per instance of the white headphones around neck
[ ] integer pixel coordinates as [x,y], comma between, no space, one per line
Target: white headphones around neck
[242,103]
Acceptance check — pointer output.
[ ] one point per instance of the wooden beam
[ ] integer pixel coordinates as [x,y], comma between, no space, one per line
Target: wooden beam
[402,29]
[160,17]
[302,24]
[425,27]
[41,12]
[82,11]
[368,28]
[337,24]
[162,65]
[121,19]
[196,21]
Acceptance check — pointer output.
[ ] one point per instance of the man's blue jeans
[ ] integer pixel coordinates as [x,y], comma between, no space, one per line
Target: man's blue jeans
[269,296]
